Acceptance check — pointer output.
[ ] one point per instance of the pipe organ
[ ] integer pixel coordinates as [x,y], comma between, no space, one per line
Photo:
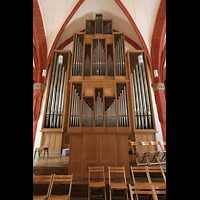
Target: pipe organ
[142,107]
[97,99]
[54,111]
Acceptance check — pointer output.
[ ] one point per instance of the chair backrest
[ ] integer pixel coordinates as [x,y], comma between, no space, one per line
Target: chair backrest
[145,146]
[46,143]
[153,170]
[44,179]
[164,172]
[155,145]
[96,174]
[116,174]
[142,189]
[162,145]
[160,189]
[139,172]
[137,146]
[129,145]
[64,179]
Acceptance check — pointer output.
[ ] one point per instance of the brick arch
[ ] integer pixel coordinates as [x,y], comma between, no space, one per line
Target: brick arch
[128,15]
[77,6]
[158,39]
[162,67]
[40,44]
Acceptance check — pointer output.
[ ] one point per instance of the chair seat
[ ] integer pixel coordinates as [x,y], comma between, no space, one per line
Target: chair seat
[142,183]
[119,186]
[39,148]
[43,197]
[60,197]
[159,183]
[97,184]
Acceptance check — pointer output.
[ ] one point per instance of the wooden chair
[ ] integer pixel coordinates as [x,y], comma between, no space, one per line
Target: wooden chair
[44,148]
[96,180]
[154,146]
[156,181]
[160,191]
[117,181]
[38,179]
[162,146]
[137,154]
[132,151]
[142,190]
[164,170]
[146,146]
[62,179]
[139,176]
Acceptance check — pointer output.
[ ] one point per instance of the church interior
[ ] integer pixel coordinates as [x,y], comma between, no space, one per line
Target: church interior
[99,99]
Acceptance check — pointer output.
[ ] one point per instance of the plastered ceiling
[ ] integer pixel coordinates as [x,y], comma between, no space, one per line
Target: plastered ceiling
[55,12]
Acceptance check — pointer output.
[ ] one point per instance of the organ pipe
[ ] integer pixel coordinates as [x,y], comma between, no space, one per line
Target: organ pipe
[99,109]
[78,55]
[54,110]
[119,56]
[142,109]
[75,105]
[122,106]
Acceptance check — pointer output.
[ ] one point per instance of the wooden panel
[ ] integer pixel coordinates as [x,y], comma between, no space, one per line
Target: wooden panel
[107,152]
[89,92]
[90,147]
[144,137]
[90,150]
[55,143]
[122,156]
[76,158]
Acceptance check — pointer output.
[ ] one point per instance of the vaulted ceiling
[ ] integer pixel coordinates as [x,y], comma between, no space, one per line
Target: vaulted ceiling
[54,23]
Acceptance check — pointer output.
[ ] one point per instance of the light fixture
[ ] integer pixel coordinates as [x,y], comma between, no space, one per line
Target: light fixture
[60,59]
[155,73]
[140,59]
[44,72]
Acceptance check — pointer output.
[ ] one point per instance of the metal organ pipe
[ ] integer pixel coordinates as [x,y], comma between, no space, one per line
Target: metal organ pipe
[78,55]
[122,108]
[119,57]
[143,116]
[110,115]
[147,96]
[51,91]
[98,111]
[75,107]
[98,58]
[56,95]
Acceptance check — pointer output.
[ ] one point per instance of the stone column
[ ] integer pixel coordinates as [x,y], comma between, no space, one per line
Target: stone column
[37,99]
[158,89]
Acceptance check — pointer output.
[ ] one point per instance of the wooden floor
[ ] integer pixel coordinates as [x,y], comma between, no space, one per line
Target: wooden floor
[54,160]
[59,160]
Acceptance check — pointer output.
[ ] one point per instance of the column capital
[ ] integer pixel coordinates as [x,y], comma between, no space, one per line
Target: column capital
[158,86]
[39,86]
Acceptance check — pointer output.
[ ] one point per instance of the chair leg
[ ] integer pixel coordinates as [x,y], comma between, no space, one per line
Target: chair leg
[34,154]
[127,194]
[110,193]
[44,153]
[105,192]
[88,193]
[48,152]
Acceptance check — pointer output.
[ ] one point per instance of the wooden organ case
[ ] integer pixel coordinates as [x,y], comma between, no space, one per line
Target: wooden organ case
[97,99]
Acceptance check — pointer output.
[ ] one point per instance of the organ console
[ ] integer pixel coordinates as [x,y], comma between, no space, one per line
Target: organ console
[97,98]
